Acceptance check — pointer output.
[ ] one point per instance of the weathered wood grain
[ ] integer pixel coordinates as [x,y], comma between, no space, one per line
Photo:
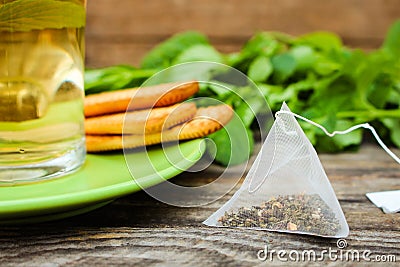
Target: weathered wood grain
[173,247]
[123,32]
[139,231]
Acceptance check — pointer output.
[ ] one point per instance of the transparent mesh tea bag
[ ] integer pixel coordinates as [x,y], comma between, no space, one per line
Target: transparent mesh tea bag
[286,189]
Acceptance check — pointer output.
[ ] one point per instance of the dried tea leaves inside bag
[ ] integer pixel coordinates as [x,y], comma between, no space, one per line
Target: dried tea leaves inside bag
[304,213]
[286,189]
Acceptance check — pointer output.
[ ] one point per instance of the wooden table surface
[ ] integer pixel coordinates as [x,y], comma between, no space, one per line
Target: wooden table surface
[137,230]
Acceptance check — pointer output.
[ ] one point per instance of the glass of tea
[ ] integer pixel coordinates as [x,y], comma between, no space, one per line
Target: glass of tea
[41,89]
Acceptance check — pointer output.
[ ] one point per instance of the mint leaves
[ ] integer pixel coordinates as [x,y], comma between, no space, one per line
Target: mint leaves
[318,76]
[165,53]
[27,15]
[392,41]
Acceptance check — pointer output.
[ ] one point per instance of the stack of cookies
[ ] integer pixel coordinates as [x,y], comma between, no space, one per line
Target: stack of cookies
[137,117]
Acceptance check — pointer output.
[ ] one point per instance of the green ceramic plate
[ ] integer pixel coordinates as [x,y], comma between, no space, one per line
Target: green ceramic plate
[101,179]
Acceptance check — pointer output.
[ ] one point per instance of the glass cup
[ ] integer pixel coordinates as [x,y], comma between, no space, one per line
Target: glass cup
[41,89]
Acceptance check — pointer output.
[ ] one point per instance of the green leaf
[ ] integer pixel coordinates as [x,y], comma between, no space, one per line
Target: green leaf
[324,41]
[27,15]
[220,88]
[304,55]
[275,95]
[248,110]
[325,66]
[394,98]
[392,40]
[233,144]
[379,91]
[284,66]
[338,95]
[261,44]
[352,138]
[200,52]
[354,62]
[394,126]
[163,54]
[339,142]
[260,69]
[114,78]
[369,70]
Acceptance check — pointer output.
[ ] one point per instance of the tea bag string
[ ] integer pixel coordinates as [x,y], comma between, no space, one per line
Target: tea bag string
[355,127]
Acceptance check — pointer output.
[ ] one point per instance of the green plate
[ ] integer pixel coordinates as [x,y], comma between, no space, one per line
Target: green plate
[101,179]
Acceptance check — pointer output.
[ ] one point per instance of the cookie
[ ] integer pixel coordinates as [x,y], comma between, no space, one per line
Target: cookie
[139,98]
[206,121]
[145,121]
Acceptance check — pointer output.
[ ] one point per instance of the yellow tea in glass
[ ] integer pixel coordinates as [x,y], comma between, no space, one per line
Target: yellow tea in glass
[41,89]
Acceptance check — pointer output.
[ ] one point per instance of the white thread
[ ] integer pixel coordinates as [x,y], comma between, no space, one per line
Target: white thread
[355,127]
[265,176]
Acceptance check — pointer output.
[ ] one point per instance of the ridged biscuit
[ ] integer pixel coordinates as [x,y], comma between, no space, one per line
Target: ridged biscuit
[145,121]
[206,121]
[139,98]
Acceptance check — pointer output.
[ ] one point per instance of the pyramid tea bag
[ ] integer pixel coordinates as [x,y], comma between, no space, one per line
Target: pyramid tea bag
[286,189]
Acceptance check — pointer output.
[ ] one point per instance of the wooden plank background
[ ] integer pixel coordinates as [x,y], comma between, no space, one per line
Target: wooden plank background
[121,32]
